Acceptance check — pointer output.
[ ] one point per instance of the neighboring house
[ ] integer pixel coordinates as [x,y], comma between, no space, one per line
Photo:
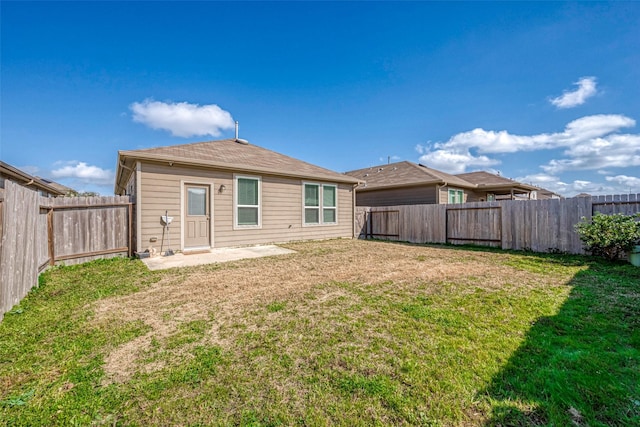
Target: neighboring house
[407,183]
[231,193]
[44,187]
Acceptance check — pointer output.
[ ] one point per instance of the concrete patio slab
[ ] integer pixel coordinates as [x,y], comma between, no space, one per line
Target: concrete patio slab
[213,256]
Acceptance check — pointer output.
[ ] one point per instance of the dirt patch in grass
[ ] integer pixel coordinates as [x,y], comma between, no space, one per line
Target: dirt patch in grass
[216,294]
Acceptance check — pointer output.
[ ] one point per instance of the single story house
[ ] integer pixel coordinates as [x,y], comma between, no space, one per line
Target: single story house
[43,186]
[407,183]
[231,193]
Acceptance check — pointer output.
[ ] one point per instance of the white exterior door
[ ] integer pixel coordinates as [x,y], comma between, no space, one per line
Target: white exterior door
[197,216]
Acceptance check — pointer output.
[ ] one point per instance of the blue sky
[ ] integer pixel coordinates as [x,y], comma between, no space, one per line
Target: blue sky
[547,93]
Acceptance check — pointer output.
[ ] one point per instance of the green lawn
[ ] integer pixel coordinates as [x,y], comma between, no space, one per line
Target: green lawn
[340,333]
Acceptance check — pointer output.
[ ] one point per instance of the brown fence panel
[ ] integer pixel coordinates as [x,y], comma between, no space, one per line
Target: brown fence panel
[423,223]
[475,223]
[407,223]
[384,224]
[21,241]
[544,225]
[90,227]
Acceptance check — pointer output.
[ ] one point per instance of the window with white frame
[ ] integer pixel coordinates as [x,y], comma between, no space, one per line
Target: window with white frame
[320,204]
[456,196]
[247,202]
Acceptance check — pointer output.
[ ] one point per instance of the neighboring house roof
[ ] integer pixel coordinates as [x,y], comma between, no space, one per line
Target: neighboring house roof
[60,187]
[407,174]
[29,181]
[491,182]
[402,174]
[228,154]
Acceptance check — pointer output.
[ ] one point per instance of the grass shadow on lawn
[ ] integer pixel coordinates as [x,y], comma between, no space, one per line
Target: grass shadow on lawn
[582,365]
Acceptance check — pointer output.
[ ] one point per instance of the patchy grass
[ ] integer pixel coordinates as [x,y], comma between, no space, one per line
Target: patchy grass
[341,332]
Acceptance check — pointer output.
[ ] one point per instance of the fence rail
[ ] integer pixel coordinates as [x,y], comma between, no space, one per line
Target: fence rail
[537,225]
[36,232]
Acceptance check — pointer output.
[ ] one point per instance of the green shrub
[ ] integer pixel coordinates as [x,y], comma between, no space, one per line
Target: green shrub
[609,236]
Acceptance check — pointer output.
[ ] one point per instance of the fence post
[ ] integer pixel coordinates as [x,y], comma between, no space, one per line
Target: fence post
[130,253]
[50,234]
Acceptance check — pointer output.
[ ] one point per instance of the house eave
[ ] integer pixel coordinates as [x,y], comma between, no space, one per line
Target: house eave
[502,187]
[414,184]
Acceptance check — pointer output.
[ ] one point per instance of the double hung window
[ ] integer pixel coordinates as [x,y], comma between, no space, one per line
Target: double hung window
[247,202]
[320,204]
[456,196]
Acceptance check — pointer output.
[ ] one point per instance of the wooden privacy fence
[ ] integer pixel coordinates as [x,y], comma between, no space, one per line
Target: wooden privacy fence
[537,225]
[36,232]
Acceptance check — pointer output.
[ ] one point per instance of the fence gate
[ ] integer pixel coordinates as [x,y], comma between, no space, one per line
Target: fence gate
[481,225]
[384,224]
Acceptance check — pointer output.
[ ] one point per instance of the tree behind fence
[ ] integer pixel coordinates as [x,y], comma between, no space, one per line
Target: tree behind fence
[37,232]
[537,225]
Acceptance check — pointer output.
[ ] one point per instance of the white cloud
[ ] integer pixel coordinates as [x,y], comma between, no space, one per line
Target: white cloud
[455,161]
[181,118]
[568,189]
[631,183]
[590,142]
[620,184]
[610,151]
[82,173]
[586,89]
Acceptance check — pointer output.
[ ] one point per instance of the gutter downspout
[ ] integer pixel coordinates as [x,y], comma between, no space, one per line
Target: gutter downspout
[353,211]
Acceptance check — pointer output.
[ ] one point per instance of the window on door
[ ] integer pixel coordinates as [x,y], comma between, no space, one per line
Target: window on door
[197,201]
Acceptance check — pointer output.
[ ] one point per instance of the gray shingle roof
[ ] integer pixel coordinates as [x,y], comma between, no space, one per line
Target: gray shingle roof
[230,154]
[486,178]
[404,174]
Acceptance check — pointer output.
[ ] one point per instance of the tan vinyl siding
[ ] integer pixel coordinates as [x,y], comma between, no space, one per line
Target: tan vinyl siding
[476,196]
[282,216]
[397,196]
[281,208]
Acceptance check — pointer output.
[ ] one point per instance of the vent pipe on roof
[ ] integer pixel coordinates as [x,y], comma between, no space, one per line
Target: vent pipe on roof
[238,140]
